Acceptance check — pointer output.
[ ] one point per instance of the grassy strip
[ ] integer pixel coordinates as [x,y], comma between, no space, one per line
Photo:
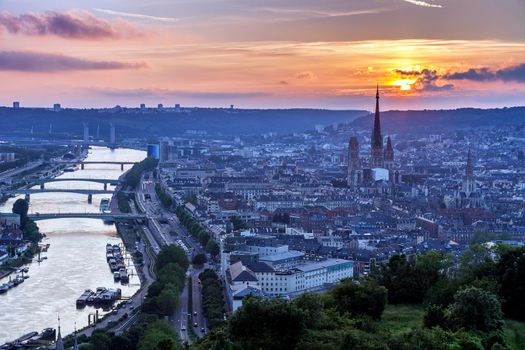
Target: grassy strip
[398,319]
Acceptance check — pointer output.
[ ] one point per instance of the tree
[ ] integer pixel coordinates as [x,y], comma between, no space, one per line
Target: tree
[167,302]
[312,305]
[21,207]
[366,299]
[359,340]
[511,272]
[238,223]
[159,335]
[199,259]
[475,309]
[409,281]
[212,247]
[397,277]
[434,316]
[423,339]
[172,254]
[216,340]
[100,340]
[266,324]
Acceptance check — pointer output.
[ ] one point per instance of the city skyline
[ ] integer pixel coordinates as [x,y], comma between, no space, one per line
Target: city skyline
[423,54]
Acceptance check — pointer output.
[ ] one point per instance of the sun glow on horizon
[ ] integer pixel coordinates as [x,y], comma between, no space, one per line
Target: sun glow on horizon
[404,84]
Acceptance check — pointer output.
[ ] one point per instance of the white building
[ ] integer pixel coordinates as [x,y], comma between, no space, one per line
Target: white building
[290,282]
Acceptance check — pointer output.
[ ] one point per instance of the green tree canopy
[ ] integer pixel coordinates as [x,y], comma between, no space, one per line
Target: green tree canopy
[21,207]
[475,309]
[266,324]
[365,299]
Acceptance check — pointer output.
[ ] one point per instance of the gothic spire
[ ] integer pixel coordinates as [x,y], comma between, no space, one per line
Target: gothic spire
[469,171]
[377,138]
[60,343]
[75,345]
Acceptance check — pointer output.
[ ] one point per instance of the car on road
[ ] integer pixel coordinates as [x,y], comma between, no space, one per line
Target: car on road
[195,324]
[203,330]
[183,329]
[194,313]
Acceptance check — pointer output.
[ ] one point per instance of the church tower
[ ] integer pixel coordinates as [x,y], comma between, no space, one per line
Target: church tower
[355,172]
[389,154]
[468,196]
[377,160]
[469,182]
[59,345]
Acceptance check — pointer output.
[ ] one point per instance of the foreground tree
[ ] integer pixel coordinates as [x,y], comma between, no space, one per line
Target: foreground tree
[475,309]
[511,269]
[266,324]
[365,299]
[159,335]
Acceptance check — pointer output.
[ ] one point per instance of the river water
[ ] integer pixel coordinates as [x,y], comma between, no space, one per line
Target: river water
[76,259]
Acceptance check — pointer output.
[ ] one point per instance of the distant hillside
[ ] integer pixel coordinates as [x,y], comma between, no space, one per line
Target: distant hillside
[136,124]
[428,121]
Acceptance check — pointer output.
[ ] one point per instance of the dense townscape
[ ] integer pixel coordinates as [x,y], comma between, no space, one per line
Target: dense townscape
[339,236]
[262,175]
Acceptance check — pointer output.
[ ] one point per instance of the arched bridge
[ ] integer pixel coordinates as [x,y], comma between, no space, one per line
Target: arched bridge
[64,179]
[84,162]
[105,182]
[59,190]
[102,216]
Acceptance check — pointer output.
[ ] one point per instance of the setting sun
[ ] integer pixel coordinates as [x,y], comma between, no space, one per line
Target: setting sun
[404,84]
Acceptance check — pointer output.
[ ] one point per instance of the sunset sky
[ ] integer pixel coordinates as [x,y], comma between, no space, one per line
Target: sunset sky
[263,53]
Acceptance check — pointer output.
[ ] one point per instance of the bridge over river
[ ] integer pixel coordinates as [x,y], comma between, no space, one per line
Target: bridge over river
[83,162]
[101,216]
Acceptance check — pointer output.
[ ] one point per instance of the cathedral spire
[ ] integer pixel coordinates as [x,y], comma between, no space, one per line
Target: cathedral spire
[75,345]
[377,159]
[60,343]
[469,171]
[377,138]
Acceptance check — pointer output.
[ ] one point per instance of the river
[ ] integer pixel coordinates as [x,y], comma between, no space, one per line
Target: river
[76,259]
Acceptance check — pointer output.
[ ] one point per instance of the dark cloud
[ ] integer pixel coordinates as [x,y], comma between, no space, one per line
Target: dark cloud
[426,80]
[71,25]
[481,74]
[513,73]
[43,62]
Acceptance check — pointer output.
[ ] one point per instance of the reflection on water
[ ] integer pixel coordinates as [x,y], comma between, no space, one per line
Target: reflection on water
[76,257]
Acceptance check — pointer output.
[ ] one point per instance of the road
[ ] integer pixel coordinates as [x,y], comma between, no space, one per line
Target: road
[170,231]
[12,172]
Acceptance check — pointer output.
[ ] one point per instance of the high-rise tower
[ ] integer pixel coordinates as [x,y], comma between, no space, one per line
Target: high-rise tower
[377,160]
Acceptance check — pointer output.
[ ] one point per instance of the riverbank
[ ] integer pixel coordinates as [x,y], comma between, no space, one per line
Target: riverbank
[77,260]
[48,168]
